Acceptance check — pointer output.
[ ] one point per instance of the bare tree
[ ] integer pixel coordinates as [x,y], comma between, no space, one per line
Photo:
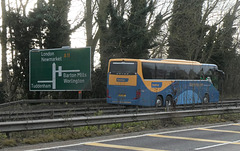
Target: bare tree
[5,70]
[92,38]
[160,50]
[102,23]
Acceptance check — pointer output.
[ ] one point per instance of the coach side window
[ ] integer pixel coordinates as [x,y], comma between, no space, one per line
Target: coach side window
[148,70]
[170,71]
[182,71]
[197,72]
[160,71]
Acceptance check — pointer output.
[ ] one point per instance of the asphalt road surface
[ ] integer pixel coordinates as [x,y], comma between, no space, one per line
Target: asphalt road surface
[211,138]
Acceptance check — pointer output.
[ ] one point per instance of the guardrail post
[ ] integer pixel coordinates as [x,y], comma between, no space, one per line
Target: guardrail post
[52,114]
[118,107]
[8,135]
[193,106]
[137,109]
[194,119]
[167,106]
[79,95]
[185,106]
[122,125]
[220,116]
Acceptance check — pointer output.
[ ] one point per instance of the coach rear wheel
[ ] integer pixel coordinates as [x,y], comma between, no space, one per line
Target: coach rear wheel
[169,101]
[206,98]
[159,101]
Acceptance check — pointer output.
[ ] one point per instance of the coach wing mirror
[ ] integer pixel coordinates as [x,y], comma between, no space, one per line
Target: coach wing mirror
[221,73]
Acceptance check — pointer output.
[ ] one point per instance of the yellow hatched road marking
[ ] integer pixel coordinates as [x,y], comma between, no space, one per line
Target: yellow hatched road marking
[214,130]
[122,147]
[194,139]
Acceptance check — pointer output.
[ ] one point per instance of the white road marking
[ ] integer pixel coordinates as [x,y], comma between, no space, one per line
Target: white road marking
[212,146]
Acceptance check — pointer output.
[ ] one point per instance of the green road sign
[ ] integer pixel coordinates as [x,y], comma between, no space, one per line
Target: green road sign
[64,69]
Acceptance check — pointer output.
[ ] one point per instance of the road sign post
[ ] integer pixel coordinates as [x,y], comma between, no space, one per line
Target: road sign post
[63,69]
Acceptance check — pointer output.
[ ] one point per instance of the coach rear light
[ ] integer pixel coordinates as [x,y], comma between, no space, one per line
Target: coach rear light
[108,94]
[138,94]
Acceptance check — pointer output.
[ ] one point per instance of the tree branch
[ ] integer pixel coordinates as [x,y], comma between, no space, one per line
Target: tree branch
[78,25]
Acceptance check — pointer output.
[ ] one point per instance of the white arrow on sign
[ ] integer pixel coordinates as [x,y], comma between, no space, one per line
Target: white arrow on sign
[54,71]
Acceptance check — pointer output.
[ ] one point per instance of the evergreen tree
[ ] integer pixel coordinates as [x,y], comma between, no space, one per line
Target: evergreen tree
[185,29]
[25,34]
[126,37]
[58,29]
[45,27]
[131,37]
[223,46]
[225,53]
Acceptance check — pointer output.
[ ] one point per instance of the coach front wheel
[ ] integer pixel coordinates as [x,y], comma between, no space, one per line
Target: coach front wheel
[206,98]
